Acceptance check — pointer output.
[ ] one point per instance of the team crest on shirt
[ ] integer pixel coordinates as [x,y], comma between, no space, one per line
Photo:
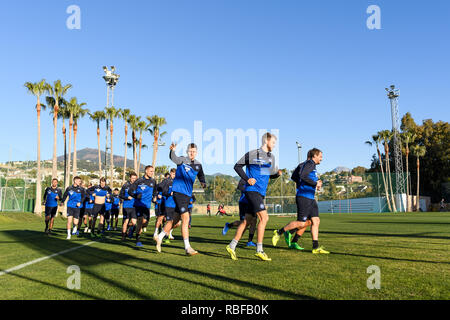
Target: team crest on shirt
[261,206]
[187,168]
[143,186]
[197,168]
[71,192]
[183,209]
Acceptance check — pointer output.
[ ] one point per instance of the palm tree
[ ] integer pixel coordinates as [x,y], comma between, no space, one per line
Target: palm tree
[142,126]
[78,113]
[56,92]
[408,137]
[98,116]
[386,137]
[376,140]
[38,89]
[419,152]
[112,113]
[125,115]
[155,123]
[133,121]
[63,113]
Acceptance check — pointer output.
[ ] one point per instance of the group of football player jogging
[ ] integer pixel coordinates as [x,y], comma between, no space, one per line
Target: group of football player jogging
[173,199]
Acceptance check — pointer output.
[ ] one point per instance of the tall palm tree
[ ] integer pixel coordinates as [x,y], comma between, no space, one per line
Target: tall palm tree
[56,92]
[111,114]
[63,113]
[386,137]
[98,116]
[408,137]
[376,140]
[133,122]
[155,123]
[38,89]
[419,152]
[78,113]
[142,126]
[125,115]
[72,106]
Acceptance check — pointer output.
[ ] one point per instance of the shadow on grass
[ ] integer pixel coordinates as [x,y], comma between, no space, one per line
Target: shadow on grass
[91,256]
[400,222]
[410,235]
[388,258]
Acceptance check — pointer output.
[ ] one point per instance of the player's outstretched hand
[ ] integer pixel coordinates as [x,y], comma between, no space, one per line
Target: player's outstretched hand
[280,173]
[251,181]
[173,146]
[203,185]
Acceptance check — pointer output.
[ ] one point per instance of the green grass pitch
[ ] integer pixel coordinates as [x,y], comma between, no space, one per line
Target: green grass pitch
[411,250]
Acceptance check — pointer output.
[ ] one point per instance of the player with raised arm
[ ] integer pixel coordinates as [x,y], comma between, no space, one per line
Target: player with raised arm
[188,169]
[144,192]
[305,177]
[51,196]
[129,211]
[260,167]
[76,195]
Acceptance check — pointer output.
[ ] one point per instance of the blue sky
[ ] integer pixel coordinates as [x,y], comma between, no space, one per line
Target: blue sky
[311,69]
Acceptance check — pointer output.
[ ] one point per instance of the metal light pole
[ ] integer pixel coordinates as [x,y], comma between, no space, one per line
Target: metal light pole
[393,95]
[111,80]
[299,149]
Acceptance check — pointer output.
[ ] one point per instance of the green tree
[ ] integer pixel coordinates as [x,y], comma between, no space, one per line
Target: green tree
[154,127]
[112,113]
[38,89]
[56,92]
[98,116]
[419,152]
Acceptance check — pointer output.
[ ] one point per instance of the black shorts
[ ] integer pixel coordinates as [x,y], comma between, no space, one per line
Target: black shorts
[169,213]
[51,211]
[243,210]
[115,213]
[143,212]
[107,214]
[159,211]
[82,212]
[88,212]
[98,209]
[129,213]
[255,202]
[181,202]
[73,212]
[306,208]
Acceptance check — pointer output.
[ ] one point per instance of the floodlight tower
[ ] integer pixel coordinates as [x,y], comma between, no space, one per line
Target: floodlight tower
[393,95]
[111,80]
[299,149]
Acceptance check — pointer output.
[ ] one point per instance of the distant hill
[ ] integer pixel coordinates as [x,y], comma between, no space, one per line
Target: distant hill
[88,157]
[342,169]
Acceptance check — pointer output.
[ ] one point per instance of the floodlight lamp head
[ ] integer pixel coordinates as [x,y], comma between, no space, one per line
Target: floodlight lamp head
[105,68]
[113,68]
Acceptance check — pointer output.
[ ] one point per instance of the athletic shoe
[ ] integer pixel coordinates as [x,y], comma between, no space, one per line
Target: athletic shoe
[89,231]
[320,250]
[263,256]
[296,246]
[275,238]
[225,229]
[139,244]
[155,237]
[144,230]
[77,233]
[108,228]
[158,245]
[251,244]
[288,238]
[191,252]
[171,237]
[74,233]
[68,237]
[232,253]
[167,241]
[85,230]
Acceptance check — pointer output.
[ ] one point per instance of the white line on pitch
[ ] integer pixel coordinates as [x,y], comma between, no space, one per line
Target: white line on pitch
[23,265]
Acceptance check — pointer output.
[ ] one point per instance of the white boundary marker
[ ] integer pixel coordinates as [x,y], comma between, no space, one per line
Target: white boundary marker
[26,264]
